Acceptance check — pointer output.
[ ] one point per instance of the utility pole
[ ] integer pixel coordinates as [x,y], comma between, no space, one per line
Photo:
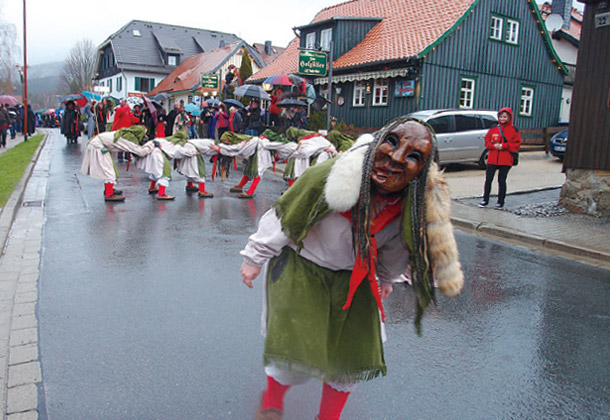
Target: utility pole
[330,86]
[25,77]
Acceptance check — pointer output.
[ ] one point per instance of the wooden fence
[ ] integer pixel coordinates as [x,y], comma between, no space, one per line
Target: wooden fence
[538,138]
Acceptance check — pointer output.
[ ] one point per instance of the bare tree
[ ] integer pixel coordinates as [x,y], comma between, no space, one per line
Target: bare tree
[79,67]
[8,52]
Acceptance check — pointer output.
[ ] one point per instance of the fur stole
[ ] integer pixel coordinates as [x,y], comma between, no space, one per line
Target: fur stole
[342,190]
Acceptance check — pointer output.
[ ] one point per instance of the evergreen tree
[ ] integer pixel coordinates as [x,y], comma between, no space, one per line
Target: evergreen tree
[245,70]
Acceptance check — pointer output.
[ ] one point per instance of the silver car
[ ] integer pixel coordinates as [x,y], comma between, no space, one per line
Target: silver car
[460,133]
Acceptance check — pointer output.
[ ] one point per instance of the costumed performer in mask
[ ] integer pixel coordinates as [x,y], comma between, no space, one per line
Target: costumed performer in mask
[343,226]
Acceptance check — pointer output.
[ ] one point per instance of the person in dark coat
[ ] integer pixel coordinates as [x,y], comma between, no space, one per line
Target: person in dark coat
[99,112]
[5,122]
[31,120]
[299,118]
[169,120]
[501,141]
[236,120]
[254,120]
[70,122]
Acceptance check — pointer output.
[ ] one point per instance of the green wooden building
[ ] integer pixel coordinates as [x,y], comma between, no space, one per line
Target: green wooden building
[393,57]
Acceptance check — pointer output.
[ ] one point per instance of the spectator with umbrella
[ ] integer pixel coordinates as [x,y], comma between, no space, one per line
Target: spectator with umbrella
[5,122]
[254,120]
[70,122]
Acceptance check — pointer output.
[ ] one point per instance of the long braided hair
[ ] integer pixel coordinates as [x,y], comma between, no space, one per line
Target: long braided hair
[361,216]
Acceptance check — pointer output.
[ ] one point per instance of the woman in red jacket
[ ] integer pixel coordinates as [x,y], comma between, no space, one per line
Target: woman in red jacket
[501,141]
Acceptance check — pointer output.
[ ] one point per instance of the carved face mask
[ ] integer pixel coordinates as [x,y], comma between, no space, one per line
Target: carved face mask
[400,157]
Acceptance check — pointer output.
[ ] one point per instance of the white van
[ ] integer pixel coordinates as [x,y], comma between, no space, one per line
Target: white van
[460,133]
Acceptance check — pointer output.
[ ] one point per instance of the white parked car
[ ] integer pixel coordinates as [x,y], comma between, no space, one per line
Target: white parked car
[460,133]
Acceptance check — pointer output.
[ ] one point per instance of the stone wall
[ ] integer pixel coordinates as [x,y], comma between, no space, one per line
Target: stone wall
[586,191]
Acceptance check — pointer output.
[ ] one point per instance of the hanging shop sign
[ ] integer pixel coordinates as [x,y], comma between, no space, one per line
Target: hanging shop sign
[313,63]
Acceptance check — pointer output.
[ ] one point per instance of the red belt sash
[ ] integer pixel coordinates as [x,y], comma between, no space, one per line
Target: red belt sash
[360,270]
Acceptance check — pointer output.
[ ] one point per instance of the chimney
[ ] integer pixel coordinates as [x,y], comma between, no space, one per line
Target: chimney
[564,9]
[268,47]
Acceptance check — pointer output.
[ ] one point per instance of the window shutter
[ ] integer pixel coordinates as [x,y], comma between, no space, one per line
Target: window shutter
[137,83]
[152,84]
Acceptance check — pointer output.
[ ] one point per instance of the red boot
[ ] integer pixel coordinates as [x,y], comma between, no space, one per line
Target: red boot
[202,192]
[162,195]
[239,187]
[109,194]
[190,187]
[152,189]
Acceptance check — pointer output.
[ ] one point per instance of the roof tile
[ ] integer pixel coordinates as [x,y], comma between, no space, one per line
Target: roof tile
[407,28]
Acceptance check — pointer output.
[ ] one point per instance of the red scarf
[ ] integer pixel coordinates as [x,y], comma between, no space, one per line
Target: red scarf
[360,270]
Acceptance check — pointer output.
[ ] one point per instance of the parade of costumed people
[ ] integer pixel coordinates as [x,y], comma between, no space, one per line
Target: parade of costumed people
[98,162]
[187,148]
[375,212]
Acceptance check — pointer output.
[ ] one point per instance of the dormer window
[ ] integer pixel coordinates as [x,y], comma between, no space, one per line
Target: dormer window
[172,60]
[310,41]
[325,37]
[136,32]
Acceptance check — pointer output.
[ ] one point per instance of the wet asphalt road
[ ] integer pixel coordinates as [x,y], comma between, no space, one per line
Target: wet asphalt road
[143,316]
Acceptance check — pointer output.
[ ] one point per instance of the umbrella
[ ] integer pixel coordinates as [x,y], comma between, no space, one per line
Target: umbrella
[134,100]
[151,109]
[91,96]
[50,111]
[252,91]
[291,102]
[296,79]
[79,99]
[195,112]
[279,80]
[234,102]
[190,107]
[212,102]
[161,96]
[8,99]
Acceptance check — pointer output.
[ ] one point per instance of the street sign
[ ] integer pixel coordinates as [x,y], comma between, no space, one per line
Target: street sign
[209,81]
[312,63]
[602,19]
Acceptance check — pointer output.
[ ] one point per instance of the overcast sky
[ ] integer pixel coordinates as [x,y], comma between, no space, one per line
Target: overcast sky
[54,26]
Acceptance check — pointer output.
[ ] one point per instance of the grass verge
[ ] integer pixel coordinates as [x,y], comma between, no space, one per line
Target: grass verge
[12,165]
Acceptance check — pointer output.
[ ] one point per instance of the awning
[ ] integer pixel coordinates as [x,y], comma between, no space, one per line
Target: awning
[353,77]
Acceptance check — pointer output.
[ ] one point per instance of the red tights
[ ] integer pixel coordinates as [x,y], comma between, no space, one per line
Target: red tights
[331,405]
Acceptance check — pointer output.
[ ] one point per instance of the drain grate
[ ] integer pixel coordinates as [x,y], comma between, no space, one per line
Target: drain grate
[32,203]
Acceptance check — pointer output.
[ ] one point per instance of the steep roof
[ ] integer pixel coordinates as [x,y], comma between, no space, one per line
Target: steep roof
[406,29]
[136,45]
[268,58]
[188,74]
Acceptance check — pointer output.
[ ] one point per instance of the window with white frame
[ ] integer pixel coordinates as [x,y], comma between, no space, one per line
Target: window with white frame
[359,93]
[325,37]
[380,92]
[109,85]
[527,101]
[512,31]
[171,60]
[310,41]
[119,83]
[495,31]
[467,86]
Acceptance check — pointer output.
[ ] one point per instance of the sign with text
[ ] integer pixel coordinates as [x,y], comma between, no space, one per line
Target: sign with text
[404,88]
[209,81]
[602,19]
[312,63]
